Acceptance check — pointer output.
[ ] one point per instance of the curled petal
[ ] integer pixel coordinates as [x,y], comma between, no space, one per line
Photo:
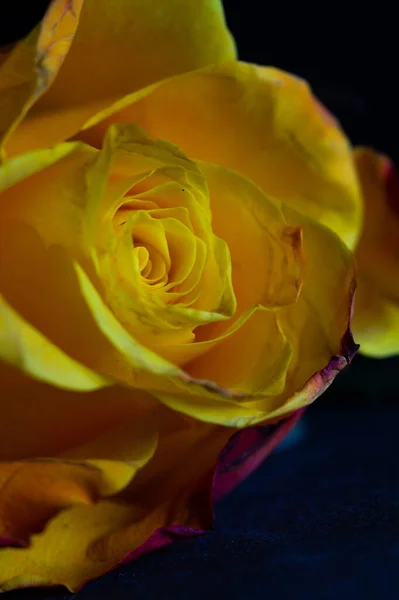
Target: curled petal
[51,507]
[260,122]
[25,348]
[84,541]
[266,271]
[130,155]
[31,66]
[33,492]
[267,268]
[376,317]
[319,324]
[124,38]
[62,555]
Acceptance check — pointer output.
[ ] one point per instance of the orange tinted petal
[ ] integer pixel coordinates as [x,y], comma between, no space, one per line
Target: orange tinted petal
[261,122]
[84,541]
[316,327]
[32,492]
[39,419]
[115,52]
[267,265]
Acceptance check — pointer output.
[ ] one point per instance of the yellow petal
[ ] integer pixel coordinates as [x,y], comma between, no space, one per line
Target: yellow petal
[267,265]
[22,346]
[252,359]
[33,492]
[62,553]
[116,51]
[118,437]
[259,121]
[83,542]
[39,419]
[28,263]
[376,319]
[31,66]
[187,450]
[318,324]
[125,40]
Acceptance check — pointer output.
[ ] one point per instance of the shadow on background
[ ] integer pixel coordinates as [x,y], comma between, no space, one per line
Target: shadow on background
[320,519]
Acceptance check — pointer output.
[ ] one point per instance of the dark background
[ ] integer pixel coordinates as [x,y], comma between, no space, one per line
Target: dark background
[320,519]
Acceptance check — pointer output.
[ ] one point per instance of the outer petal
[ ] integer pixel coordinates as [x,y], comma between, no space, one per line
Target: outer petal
[104,438]
[32,492]
[82,542]
[122,46]
[41,420]
[172,499]
[376,320]
[239,458]
[261,122]
[31,66]
[318,325]
[22,346]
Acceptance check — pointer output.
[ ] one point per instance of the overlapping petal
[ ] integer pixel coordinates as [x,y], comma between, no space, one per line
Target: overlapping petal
[245,117]
[314,344]
[125,38]
[161,312]
[118,48]
[33,492]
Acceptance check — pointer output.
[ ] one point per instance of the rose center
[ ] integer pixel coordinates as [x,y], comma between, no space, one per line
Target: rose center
[151,263]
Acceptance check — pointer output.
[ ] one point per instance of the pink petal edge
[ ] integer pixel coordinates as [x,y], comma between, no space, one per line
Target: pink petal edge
[244,453]
[8,542]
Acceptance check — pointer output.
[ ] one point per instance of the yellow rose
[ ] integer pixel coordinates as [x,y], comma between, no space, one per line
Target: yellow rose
[160,291]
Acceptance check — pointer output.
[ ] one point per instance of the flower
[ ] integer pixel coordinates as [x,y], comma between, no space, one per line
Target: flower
[172,273]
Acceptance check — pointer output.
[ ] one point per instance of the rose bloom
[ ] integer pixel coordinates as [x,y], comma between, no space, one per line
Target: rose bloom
[176,277]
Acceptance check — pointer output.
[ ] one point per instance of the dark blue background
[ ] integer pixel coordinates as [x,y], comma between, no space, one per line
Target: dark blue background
[320,519]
